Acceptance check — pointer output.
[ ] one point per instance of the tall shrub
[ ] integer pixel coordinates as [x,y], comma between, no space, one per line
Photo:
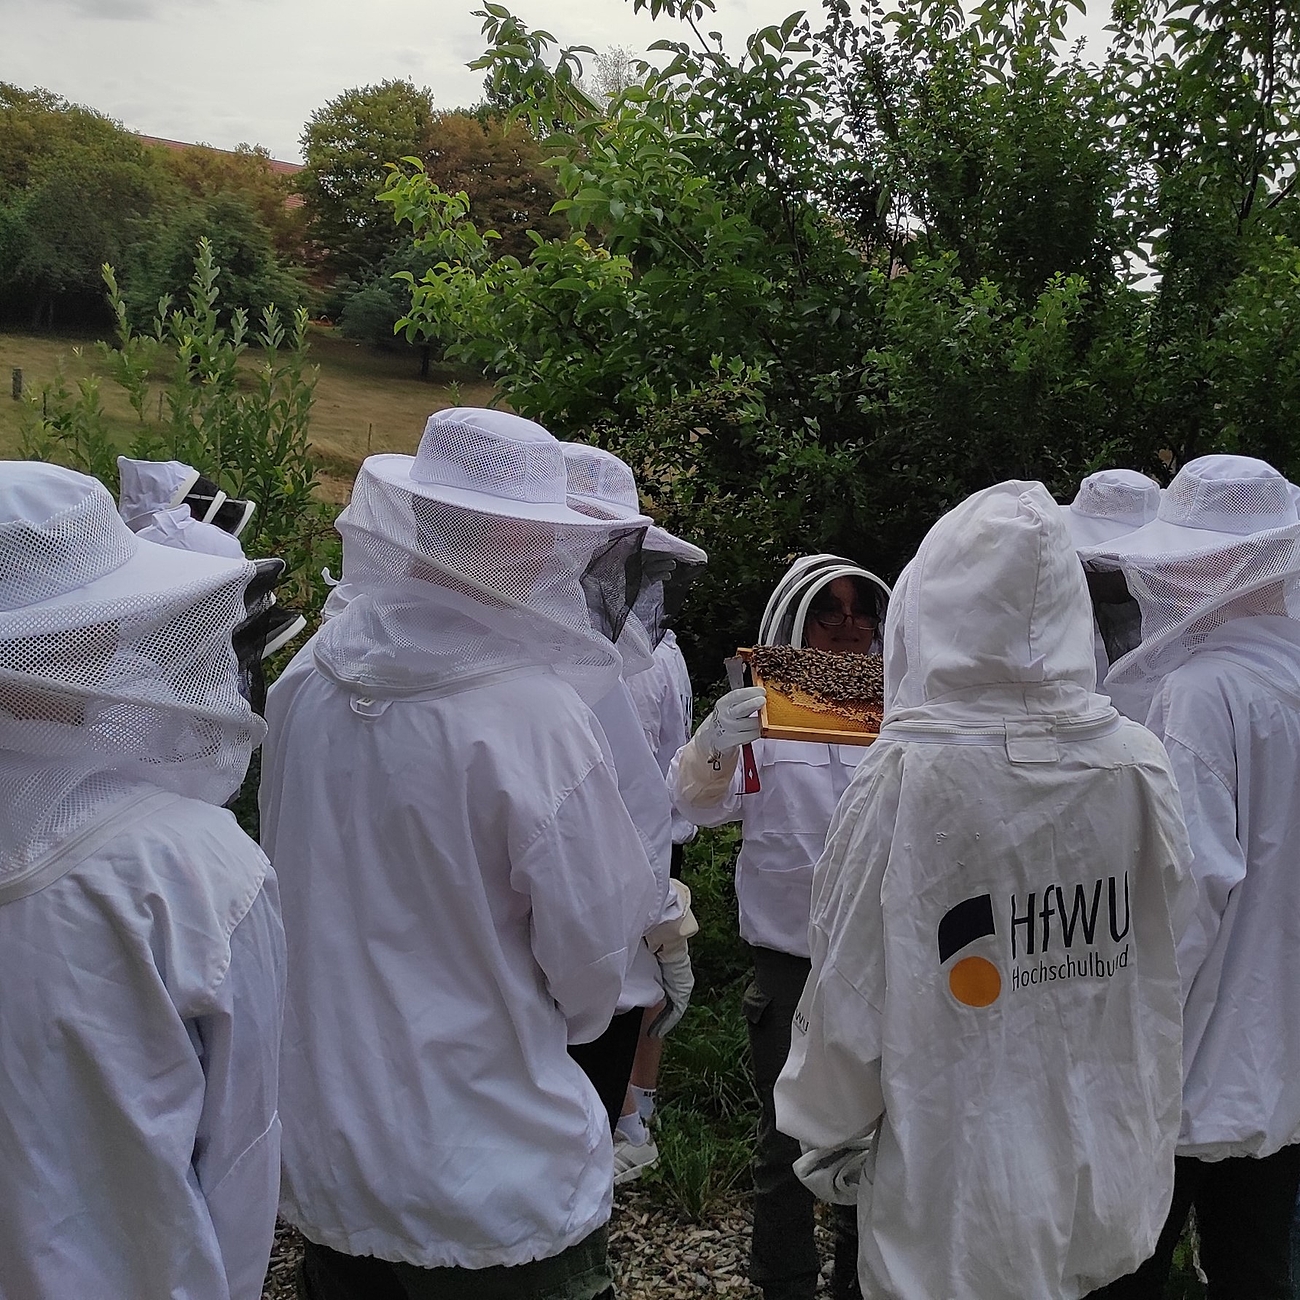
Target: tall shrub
[245,426]
[819,292]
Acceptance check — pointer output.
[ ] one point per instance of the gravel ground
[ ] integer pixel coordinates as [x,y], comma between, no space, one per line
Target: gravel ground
[656,1255]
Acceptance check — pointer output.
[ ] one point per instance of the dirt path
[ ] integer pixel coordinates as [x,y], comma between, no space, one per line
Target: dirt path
[657,1256]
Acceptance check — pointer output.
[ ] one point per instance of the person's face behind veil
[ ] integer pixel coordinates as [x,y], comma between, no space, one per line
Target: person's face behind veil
[488,553]
[80,656]
[1118,616]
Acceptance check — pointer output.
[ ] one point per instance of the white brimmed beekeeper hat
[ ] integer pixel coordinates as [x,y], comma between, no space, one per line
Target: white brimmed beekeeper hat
[116,662]
[603,485]
[1109,504]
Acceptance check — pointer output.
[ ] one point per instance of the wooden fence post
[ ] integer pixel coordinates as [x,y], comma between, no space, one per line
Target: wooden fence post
[18,383]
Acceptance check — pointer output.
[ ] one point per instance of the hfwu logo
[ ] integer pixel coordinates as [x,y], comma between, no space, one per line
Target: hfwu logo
[973,979]
[1068,932]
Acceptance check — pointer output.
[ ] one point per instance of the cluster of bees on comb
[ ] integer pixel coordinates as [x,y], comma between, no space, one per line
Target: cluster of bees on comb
[851,685]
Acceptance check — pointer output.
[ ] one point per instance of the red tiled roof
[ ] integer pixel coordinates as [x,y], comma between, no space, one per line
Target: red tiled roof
[180,146]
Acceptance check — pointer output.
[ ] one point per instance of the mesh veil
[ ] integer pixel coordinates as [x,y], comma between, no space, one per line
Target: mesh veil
[445,592]
[611,582]
[621,605]
[600,485]
[800,586]
[131,685]
[253,630]
[651,609]
[661,601]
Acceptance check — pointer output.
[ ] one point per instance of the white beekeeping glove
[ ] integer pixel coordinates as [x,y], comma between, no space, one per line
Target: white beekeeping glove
[678,980]
[668,943]
[708,761]
[733,722]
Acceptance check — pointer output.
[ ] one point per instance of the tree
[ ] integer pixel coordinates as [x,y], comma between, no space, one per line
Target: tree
[253,277]
[37,125]
[347,145]
[614,70]
[501,169]
[78,190]
[79,210]
[202,173]
[74,186]
[818,293]
[499,165]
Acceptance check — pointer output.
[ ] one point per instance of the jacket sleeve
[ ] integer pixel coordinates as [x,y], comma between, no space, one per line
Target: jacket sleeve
[1218,862]
[647,690]
[591,887]
[237,1145]
[703,795]
[829,1093]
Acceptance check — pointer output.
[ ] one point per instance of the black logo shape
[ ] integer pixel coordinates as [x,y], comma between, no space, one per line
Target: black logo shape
[971,919]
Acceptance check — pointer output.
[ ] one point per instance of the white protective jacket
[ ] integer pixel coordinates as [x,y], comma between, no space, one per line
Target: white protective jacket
[148,490]
[462,899]
[784,831]
[994,991]
[665,704]
[139,1047]
[641,786]
[644,796]
[1230,719]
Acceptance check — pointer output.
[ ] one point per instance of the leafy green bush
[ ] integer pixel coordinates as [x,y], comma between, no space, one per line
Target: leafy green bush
[253,277]
[818,293]
[244,427]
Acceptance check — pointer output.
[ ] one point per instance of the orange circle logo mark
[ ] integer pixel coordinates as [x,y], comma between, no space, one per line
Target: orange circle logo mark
[975,982]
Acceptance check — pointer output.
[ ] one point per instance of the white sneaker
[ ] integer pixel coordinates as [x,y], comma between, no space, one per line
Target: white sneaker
[631,1159]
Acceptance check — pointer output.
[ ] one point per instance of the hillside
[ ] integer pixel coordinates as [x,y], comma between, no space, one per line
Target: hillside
[367,400]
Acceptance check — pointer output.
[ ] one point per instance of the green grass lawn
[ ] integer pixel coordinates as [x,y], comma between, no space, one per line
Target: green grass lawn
[367,399]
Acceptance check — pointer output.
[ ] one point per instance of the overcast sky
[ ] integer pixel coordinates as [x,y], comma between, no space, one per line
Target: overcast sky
[230,71]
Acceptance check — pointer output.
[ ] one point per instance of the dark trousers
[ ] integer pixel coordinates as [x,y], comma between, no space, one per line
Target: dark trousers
[783,1256]
[579,1273]
[1243,1216]
[677,861]
[607,1060]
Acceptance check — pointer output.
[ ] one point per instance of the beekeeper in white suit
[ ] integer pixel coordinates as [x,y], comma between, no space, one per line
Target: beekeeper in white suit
[141,954]
[1217,581]
[464,890]
[660,983]
[986,1059]
[827,603]
[1109,504]
[664,702]
[159,499]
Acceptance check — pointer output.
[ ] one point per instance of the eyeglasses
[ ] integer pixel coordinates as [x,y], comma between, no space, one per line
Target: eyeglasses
[837,618]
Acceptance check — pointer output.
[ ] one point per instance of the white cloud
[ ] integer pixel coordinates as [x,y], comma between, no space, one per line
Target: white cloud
[116,9]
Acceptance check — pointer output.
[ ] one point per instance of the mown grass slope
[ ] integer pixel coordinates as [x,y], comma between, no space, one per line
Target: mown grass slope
[367,399]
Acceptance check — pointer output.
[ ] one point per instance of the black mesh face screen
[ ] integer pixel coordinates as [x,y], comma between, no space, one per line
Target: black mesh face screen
[678,587]
[650,609]
[250,634]
[612,582]
[1118,615]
